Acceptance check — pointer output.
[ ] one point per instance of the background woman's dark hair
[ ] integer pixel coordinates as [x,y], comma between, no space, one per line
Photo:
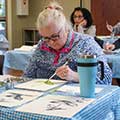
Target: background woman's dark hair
[86,14]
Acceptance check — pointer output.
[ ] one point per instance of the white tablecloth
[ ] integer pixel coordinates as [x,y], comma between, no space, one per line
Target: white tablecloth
[17,60]
[105,106]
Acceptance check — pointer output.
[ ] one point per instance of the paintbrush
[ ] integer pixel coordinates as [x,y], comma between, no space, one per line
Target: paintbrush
[48,81]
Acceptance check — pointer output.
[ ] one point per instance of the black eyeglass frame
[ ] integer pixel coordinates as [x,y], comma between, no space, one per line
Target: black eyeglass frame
[53,37]
[74,17]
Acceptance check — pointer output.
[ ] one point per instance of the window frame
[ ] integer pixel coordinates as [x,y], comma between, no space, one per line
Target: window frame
[4,18]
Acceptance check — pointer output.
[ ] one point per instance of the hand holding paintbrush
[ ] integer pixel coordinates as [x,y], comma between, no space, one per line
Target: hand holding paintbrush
[48,81]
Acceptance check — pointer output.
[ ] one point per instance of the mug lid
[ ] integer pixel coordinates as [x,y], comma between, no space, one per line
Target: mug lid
[87,56]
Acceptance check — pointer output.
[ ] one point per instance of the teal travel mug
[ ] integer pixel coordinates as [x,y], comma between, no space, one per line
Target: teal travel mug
[87,70]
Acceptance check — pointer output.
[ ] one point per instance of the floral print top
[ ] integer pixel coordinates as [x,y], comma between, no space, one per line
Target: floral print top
[45,60]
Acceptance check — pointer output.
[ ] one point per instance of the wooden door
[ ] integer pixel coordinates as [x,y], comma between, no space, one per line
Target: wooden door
[105,10]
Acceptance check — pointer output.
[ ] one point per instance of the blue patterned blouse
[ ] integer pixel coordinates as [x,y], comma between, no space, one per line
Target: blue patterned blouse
[45,60]
[116,28]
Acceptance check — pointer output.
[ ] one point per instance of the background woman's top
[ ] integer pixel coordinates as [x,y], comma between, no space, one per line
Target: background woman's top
[90,30]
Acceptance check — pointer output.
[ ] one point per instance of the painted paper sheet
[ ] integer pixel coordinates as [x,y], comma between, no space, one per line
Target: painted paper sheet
[12,98]
[39,84]
[56,105]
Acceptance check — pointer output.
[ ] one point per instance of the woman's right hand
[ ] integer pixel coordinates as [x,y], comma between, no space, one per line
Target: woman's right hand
[64,72]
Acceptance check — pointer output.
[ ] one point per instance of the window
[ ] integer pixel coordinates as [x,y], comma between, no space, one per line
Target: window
[3,17]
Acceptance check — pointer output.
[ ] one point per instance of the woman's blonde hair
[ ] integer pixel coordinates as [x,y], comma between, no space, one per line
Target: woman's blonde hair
[52,13]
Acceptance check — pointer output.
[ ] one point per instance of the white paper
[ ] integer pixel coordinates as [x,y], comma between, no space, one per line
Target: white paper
[74,90]
[12,98]
[39,84]
[107,37]
[24,48]
[56,105]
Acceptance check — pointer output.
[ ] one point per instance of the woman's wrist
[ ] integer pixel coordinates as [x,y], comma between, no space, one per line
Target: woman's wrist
[74,77]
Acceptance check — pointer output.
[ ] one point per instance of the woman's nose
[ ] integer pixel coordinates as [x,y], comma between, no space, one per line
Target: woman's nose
[51,41]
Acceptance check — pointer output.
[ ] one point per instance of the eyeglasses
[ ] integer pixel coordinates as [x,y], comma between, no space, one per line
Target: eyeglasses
[53,37]
[79,17]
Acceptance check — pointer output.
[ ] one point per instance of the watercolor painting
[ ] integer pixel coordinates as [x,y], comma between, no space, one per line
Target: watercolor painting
[40,85]
[17,97]
[56,105]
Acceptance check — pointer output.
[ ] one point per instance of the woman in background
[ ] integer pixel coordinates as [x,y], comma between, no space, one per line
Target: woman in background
[116,45]
[82,22]
[114,29]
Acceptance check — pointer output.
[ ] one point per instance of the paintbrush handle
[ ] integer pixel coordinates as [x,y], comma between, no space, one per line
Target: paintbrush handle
[52,76]
[65,63]
[55,72]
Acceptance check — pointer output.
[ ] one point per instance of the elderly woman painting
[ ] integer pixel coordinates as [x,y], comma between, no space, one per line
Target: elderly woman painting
[59,43]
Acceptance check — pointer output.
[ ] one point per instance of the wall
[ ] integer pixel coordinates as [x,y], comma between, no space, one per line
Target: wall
[17,23]
[86,4]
